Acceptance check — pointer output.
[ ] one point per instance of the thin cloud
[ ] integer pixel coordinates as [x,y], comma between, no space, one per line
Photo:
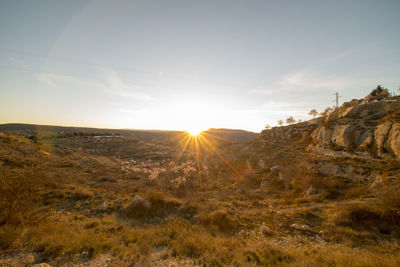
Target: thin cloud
[46,79]
[112,84]
[17,61]
[59,80]
[309,81]
[116,86]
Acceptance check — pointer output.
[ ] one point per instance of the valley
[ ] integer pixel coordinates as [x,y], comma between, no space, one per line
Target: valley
[93,197]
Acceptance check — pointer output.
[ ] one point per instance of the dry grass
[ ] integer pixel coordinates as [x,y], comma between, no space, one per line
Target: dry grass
[69,206]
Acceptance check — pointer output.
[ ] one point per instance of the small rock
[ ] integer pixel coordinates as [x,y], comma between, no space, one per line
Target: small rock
[311,191]
[265,230]
[240,191]
[106,179]
[277,169]
[295,226]
[303,227]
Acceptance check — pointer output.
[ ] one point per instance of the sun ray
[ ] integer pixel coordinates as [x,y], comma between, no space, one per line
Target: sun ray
[196,140]
[221,157]
[196,144]
[186,140]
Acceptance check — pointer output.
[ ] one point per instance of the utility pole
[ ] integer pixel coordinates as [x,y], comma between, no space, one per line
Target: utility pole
[337,99]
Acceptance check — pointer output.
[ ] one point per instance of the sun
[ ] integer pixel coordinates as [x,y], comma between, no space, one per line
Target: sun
[194,132]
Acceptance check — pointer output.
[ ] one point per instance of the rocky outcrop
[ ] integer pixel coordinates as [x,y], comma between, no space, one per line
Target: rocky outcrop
[290,132]
[387,138]
[360,126]
[339,170]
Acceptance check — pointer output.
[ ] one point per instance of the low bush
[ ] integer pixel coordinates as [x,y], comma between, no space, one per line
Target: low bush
[219,220]
[18,194]
[369,218]
[8,234]
[154,205]
[389,203]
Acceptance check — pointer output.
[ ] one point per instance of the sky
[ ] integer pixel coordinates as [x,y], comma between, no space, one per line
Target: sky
[191,65]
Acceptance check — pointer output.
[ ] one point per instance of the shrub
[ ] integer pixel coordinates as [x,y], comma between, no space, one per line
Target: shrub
[364,218]
[378,93]
[8,233]
[221,220]
[313,113]
[290,120]
[389,203]
[154,205]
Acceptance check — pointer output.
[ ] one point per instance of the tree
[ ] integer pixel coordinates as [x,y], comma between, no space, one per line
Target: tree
[326,112]
[280,122]
[378,90]
[267,126]
[290,120]
[377,94]
[313,113]
[299,121]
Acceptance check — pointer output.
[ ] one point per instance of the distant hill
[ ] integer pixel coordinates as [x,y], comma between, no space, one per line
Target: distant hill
[231,134]
[46,131]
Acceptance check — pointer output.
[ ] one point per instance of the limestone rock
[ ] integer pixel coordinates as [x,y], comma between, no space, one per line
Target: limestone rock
[394,139]
[344,171]
[358,126]
[288,133]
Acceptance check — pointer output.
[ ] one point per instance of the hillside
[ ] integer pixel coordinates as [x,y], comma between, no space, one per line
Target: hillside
[317,193]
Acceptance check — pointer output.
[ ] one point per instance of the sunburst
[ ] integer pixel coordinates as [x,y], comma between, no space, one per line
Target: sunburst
[194,132]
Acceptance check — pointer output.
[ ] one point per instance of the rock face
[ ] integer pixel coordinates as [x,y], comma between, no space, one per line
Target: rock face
[360,126]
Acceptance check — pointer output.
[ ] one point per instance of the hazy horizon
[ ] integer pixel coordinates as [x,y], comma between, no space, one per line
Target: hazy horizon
[182,65]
